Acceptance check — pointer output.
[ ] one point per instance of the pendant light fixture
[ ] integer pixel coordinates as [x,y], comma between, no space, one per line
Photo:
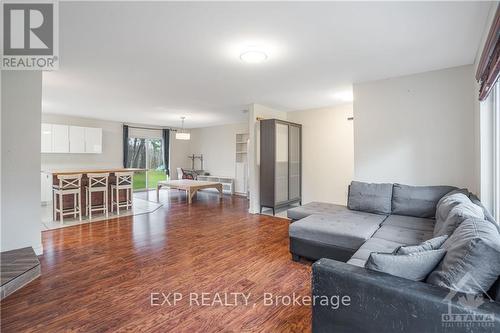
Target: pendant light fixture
[181,134]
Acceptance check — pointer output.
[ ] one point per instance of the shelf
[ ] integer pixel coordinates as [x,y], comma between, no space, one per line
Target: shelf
[241,152]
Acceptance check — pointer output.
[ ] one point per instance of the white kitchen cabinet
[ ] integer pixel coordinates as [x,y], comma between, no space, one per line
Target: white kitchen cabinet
[46,187]
[60,138]
[70,139]
[77,139]
[93,140]
[46,138]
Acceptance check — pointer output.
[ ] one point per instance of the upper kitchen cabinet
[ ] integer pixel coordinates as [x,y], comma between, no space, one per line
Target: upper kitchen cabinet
[60,138]
[71,139]
[93,140]
[46,138]
[77,139]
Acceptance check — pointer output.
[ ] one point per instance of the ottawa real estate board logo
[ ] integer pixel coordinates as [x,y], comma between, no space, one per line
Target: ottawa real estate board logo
[30,35]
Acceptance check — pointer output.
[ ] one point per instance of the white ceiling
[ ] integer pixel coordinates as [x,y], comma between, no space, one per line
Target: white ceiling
[154,62]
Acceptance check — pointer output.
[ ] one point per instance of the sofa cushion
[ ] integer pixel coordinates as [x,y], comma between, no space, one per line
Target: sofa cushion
[446,204]
[457,215]
[356,262]
[430,244]
[360,257]
[402,235]
[300,212]
[371,198]
[410,222]
[347,229]
[475,200]
[414,266]
[472,261]
[418,201]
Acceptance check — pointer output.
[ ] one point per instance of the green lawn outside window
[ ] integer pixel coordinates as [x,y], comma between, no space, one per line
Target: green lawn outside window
[154,177]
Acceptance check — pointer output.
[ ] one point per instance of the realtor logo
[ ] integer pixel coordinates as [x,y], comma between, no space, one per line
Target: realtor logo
[30,35]
[472,317]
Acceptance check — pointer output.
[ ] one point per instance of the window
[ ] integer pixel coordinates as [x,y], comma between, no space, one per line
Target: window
[146,153]
[496,152]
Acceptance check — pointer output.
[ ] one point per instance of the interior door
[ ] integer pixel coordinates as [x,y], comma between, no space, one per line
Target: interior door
[281,166]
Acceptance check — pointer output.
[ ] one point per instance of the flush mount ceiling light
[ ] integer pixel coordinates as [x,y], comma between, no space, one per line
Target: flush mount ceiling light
[181,134]
[253,56]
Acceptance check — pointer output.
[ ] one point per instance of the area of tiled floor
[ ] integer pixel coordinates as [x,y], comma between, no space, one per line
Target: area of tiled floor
[141,206]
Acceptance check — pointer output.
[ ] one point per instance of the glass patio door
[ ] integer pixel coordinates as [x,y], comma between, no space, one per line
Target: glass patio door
[155,163]
[146,154]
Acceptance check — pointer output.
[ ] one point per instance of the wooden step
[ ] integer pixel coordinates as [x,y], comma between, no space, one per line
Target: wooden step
[17,269]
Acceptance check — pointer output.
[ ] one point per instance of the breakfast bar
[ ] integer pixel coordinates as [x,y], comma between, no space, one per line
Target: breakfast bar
[70,202]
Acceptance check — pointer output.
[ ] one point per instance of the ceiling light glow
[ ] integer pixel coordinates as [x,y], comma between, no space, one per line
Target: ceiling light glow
[253,56]
[182,136]
[345,96]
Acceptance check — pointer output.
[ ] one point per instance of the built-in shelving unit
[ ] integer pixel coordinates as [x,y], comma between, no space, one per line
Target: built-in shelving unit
[241,179]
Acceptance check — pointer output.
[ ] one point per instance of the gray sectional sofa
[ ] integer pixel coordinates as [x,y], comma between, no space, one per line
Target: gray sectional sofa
[379,219]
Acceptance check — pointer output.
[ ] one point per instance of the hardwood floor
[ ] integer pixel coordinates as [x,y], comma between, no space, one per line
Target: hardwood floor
[99,277]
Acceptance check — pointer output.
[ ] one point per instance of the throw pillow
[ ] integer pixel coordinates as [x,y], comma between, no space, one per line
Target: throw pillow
[431,244]
[415,266]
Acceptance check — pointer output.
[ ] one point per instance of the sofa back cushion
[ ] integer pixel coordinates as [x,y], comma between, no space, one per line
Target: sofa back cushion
[371,198]
[472,261]
[458,214]
[418,201]
[487,215]
[450,200]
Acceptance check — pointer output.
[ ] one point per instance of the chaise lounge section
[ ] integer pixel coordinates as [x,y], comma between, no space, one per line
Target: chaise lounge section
[329,236]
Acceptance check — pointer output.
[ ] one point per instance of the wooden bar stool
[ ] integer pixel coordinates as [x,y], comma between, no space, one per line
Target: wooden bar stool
[123,182]
[97,182]
[68,185]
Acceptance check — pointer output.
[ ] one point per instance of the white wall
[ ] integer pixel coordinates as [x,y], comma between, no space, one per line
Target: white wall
[257,111]
[20,171]
[179,151]
[112,149]
[416,129]
[327,153]
[218,146]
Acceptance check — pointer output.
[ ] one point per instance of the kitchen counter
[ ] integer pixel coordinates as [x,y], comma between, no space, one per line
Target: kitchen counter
[91,170]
